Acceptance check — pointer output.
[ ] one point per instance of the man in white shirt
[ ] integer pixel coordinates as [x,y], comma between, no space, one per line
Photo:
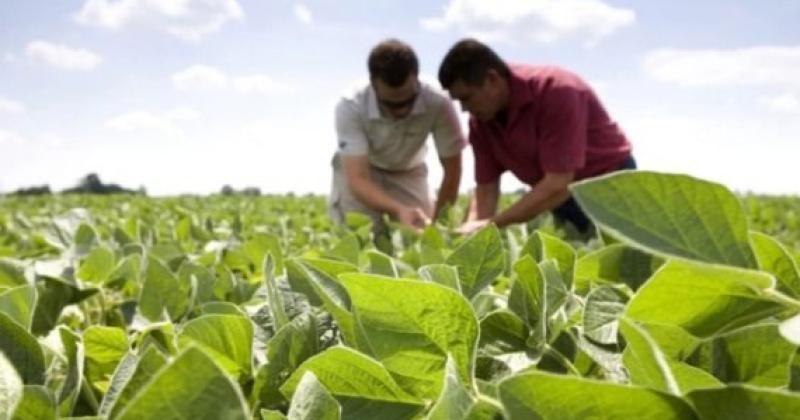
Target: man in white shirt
[379,167]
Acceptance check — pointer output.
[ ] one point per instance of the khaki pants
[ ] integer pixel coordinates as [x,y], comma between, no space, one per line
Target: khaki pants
[409,187]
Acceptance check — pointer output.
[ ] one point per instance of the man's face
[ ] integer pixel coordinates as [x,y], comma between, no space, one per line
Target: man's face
[396,102]
[484,100]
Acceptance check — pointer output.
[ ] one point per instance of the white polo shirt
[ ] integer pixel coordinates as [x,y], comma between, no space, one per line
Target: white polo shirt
[397,145]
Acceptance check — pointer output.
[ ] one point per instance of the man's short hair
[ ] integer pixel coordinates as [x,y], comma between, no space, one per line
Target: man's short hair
[469,60]
[392,61]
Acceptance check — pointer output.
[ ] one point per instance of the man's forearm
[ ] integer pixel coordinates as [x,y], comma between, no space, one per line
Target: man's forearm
[371,195]
[538,200]
[448,192]
[483,203]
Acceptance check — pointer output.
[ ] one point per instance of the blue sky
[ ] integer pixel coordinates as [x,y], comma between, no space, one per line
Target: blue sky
[188,95]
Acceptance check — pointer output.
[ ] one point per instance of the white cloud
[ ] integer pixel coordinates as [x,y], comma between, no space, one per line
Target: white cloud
[62,56]
[186,19]
[303,13]
[538,21]
[167,123]
[202,78]
[787,103]
[11,137]
[756,66]
[11,107]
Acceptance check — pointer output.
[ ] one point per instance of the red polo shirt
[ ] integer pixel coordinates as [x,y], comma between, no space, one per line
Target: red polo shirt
[555,123]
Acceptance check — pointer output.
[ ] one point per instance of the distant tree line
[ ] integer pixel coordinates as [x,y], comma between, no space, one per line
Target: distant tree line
[89,184]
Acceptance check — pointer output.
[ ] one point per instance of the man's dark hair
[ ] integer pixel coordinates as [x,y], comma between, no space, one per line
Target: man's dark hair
[392,61]
[469,60]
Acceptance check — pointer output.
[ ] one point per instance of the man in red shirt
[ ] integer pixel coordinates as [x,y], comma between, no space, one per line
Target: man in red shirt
[544,124]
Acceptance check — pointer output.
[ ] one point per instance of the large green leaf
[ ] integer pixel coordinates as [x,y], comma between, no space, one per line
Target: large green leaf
[19,303]
[161,292]
[444,274]
[226,338]
[133,372]
[412,326]
[604,305]
[71,387]
[105,344]
[12,272]
[193,386]
[54,295]
[755,354]
[36,404]
[479,259]
[363,387]
[502,331]
[645,362]
[528,299]
[670,214]
[542,246]
[775,259]
[617,263]
[22,351]
[97,266]
[312,401]
[744,402]
[291,346]
[539,395]
[712,298]
[455,401]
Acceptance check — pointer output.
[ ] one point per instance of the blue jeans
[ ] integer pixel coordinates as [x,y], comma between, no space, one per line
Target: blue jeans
[571,212]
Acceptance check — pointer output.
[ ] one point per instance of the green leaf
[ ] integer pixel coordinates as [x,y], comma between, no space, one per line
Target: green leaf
[528,299]
[604,306]
[776,260]
[479,259]
[538,395]
[105,344]
[276,305]
[193,386]
[412,326]
[97,266]
[542,246]
[161,292]
[363,387]
[454,402]
[36,404]
[347,249]
[71,388]
[617,263]
[712,298]
[10,387]
[53,296]
[444,274]
[744,402]
[286,350]
[19,304]
[22,351]
[755,354]
[502,331]
[645,362]
[670,214]
[133,372]
[262,244]
[228,339]
[312,401]
[381,264]
[12,273]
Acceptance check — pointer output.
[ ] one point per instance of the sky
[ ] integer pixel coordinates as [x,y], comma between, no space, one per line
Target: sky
[185,96]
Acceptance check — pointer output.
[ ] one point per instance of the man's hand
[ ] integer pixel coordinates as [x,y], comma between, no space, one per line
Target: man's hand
[473,226]
[413,217]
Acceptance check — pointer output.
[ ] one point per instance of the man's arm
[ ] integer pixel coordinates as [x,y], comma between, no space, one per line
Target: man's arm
[356,171]
[483,203]
[547,194]
[451,179]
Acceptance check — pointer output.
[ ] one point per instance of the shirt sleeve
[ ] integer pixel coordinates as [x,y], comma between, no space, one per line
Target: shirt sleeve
[352,141]
[487,168]
[562,145]
[447,134]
